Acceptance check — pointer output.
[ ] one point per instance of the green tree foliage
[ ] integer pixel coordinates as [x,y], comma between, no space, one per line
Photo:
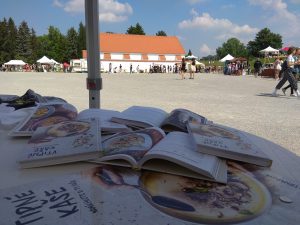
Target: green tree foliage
[161,33]
[137,29]
[4,56]
[57,45]
[23,42]
[11,39]
[232,46]
[34,46]
[72,44]
[263,39]
[81,39]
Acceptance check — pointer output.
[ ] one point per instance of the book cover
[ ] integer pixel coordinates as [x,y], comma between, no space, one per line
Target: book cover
[227,143]
[64,142]
[44,115]
[111,195]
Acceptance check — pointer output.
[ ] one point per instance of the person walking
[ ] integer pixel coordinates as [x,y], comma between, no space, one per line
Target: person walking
[193,69]
[296,71]
[257,67]
[183,68]
[288,73]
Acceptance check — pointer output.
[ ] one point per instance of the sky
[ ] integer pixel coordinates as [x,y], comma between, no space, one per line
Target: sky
[200,25]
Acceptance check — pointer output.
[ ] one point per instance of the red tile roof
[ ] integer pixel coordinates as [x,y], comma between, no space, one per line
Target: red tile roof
[129,43]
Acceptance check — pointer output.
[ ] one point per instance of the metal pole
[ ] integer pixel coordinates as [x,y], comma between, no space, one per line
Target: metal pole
[94,81]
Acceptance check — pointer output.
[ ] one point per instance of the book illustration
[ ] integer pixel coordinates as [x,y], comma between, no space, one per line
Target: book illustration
[178,119]
[134,144]
[241,199]
[46,115]
[62,129]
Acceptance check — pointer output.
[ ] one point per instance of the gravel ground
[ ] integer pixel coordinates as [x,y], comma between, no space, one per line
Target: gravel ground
[242,102]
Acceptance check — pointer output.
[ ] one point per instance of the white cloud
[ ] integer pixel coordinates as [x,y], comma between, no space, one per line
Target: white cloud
[280,16]
[295,1]
[194,13]
[205,21]
[109,10]
[205,50]
[57,3]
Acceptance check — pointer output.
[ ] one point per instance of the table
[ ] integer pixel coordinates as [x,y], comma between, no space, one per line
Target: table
[133,197]
[268,72]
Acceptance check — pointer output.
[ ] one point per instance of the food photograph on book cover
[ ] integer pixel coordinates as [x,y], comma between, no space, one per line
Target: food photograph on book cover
[47,115]
[243,198]
[62,129]
[135,144]
[216,131]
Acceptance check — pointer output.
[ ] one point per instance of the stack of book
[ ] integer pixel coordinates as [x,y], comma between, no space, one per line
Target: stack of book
[180,142]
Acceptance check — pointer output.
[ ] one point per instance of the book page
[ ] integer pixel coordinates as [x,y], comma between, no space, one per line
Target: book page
[178,118]
[178,148]
[104,116]
[130,146]
[149,115]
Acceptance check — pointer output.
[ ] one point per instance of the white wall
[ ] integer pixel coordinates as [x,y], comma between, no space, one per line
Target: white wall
[153,57]
[116,56]
[170,57]
[135,56]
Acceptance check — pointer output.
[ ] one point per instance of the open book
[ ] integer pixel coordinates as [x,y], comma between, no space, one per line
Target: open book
[151,149]
[227,143]
[64,142]
[139,117]
[49,114]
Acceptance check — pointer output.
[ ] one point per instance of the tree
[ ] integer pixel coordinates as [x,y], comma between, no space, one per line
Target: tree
[34,46]
[232,46]
[57,45]
[81,39]
[23,42]
[4,57]
[161,33]
[11,39]
[263,39]
[72,44]
[137,29]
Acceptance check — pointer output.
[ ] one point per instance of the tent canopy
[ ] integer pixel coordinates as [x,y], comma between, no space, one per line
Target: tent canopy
[15,63]
[53,61]
[227,57]
[45,60]
[269,49]
[191,57]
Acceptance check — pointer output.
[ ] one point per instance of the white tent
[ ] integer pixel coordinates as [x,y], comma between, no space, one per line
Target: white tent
[191,57]
[53,61]
[227,57]
[270,50]
[15,63]
[45,60]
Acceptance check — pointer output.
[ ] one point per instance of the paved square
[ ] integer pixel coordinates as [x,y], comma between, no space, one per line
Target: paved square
[242,102]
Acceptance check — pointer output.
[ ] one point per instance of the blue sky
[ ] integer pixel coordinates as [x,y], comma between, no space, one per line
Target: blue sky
[201,25]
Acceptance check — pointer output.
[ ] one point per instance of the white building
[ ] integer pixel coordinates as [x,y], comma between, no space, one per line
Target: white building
[140,51]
